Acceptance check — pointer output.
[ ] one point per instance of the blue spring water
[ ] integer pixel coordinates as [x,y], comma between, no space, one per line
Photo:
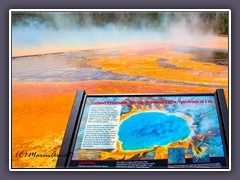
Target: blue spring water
[146,129]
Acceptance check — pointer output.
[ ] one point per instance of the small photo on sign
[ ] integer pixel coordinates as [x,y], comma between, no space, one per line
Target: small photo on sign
[201,155]
[176,155]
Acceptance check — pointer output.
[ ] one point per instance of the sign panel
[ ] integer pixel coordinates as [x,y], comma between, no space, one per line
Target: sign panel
[149,131]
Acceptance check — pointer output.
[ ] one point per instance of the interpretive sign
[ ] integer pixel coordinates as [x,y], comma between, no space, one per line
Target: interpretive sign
[147,131]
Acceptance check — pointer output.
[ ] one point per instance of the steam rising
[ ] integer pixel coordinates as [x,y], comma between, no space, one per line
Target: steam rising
[47,32]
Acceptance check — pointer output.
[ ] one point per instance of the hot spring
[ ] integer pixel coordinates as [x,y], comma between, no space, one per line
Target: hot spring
[147,129]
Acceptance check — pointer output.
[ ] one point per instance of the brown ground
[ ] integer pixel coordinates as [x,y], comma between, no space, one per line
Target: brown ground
[40,113]
[146,65]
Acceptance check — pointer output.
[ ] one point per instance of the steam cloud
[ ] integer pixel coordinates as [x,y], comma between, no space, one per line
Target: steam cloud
[57,31]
